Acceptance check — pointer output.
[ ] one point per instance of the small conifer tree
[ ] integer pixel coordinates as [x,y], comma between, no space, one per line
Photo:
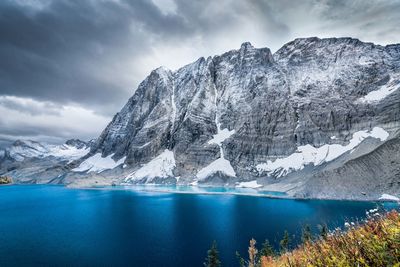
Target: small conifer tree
[306,234]
[267,250]
[242,262]
[212,259]
[324,231]
[285,242]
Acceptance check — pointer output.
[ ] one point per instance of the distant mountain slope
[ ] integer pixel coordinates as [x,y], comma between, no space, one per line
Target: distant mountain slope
[33,162]
[249,114]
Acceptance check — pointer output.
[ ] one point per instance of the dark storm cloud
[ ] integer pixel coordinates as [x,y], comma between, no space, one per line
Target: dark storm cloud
[57,55]
[72,50]
[369,18]
[30,107]
[61,52]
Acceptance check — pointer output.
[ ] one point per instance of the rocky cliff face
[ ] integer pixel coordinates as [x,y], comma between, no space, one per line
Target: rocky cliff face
[309,91]
[249,114]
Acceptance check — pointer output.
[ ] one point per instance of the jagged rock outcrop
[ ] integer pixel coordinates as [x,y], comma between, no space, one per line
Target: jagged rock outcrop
[250,114]
[308,91]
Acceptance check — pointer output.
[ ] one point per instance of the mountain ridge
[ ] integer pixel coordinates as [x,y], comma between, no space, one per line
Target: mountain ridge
[311,95]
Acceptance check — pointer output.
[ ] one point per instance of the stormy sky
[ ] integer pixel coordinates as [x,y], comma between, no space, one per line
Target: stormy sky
[67,66]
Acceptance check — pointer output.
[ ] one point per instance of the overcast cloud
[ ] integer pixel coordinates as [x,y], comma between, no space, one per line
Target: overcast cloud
[68,65]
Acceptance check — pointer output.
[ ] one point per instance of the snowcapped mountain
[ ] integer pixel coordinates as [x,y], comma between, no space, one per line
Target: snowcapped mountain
[34,162]
[311,120]
[73,149]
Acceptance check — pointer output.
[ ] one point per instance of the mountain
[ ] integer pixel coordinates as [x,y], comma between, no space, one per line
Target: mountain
[318,118]
[33,162]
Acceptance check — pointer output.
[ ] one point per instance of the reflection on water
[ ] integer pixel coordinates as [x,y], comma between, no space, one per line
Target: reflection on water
[53,225]
[202,190]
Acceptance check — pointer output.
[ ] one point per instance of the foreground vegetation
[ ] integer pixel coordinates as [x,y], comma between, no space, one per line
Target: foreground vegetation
[374,243]
[5,180]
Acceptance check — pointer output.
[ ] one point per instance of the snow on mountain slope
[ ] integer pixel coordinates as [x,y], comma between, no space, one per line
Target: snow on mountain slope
[219,165]
[311,155]
[97,163]
[31,149]
[162,166]
[68,152]
[382,92]
[221,135]
[389,197]
[26,149]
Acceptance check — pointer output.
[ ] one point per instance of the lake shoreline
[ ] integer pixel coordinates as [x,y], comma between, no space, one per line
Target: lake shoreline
[251,194]
[153,189]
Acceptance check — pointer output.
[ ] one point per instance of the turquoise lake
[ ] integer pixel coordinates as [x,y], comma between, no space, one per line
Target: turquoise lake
[136,226]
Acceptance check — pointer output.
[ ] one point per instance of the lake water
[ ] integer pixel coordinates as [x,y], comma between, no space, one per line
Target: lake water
[53,225]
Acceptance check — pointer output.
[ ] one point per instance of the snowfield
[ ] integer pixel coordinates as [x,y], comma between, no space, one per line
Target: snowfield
[29,149]
[97,163]
[381,93]
[311,155]
[220,165]
[162,166]
[221,135]
[389,197]
[68,152]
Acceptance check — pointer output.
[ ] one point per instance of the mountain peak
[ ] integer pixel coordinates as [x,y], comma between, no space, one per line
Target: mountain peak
[246,45]
[20,142]
[76,143]
[162,69]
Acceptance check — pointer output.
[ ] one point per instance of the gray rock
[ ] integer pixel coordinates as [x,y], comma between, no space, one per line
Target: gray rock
[307,92]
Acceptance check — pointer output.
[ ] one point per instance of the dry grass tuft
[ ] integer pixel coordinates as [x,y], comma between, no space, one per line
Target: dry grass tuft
[375,243]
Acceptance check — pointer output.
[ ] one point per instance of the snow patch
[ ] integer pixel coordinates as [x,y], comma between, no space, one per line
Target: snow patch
[97,163]
[251,184]
[27,149]
[220,165]
[381,93]
[389,197]
[70,153]
[221,135]
[378,132]
[194,183]
[311,155]
[161,166]
[144,145]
